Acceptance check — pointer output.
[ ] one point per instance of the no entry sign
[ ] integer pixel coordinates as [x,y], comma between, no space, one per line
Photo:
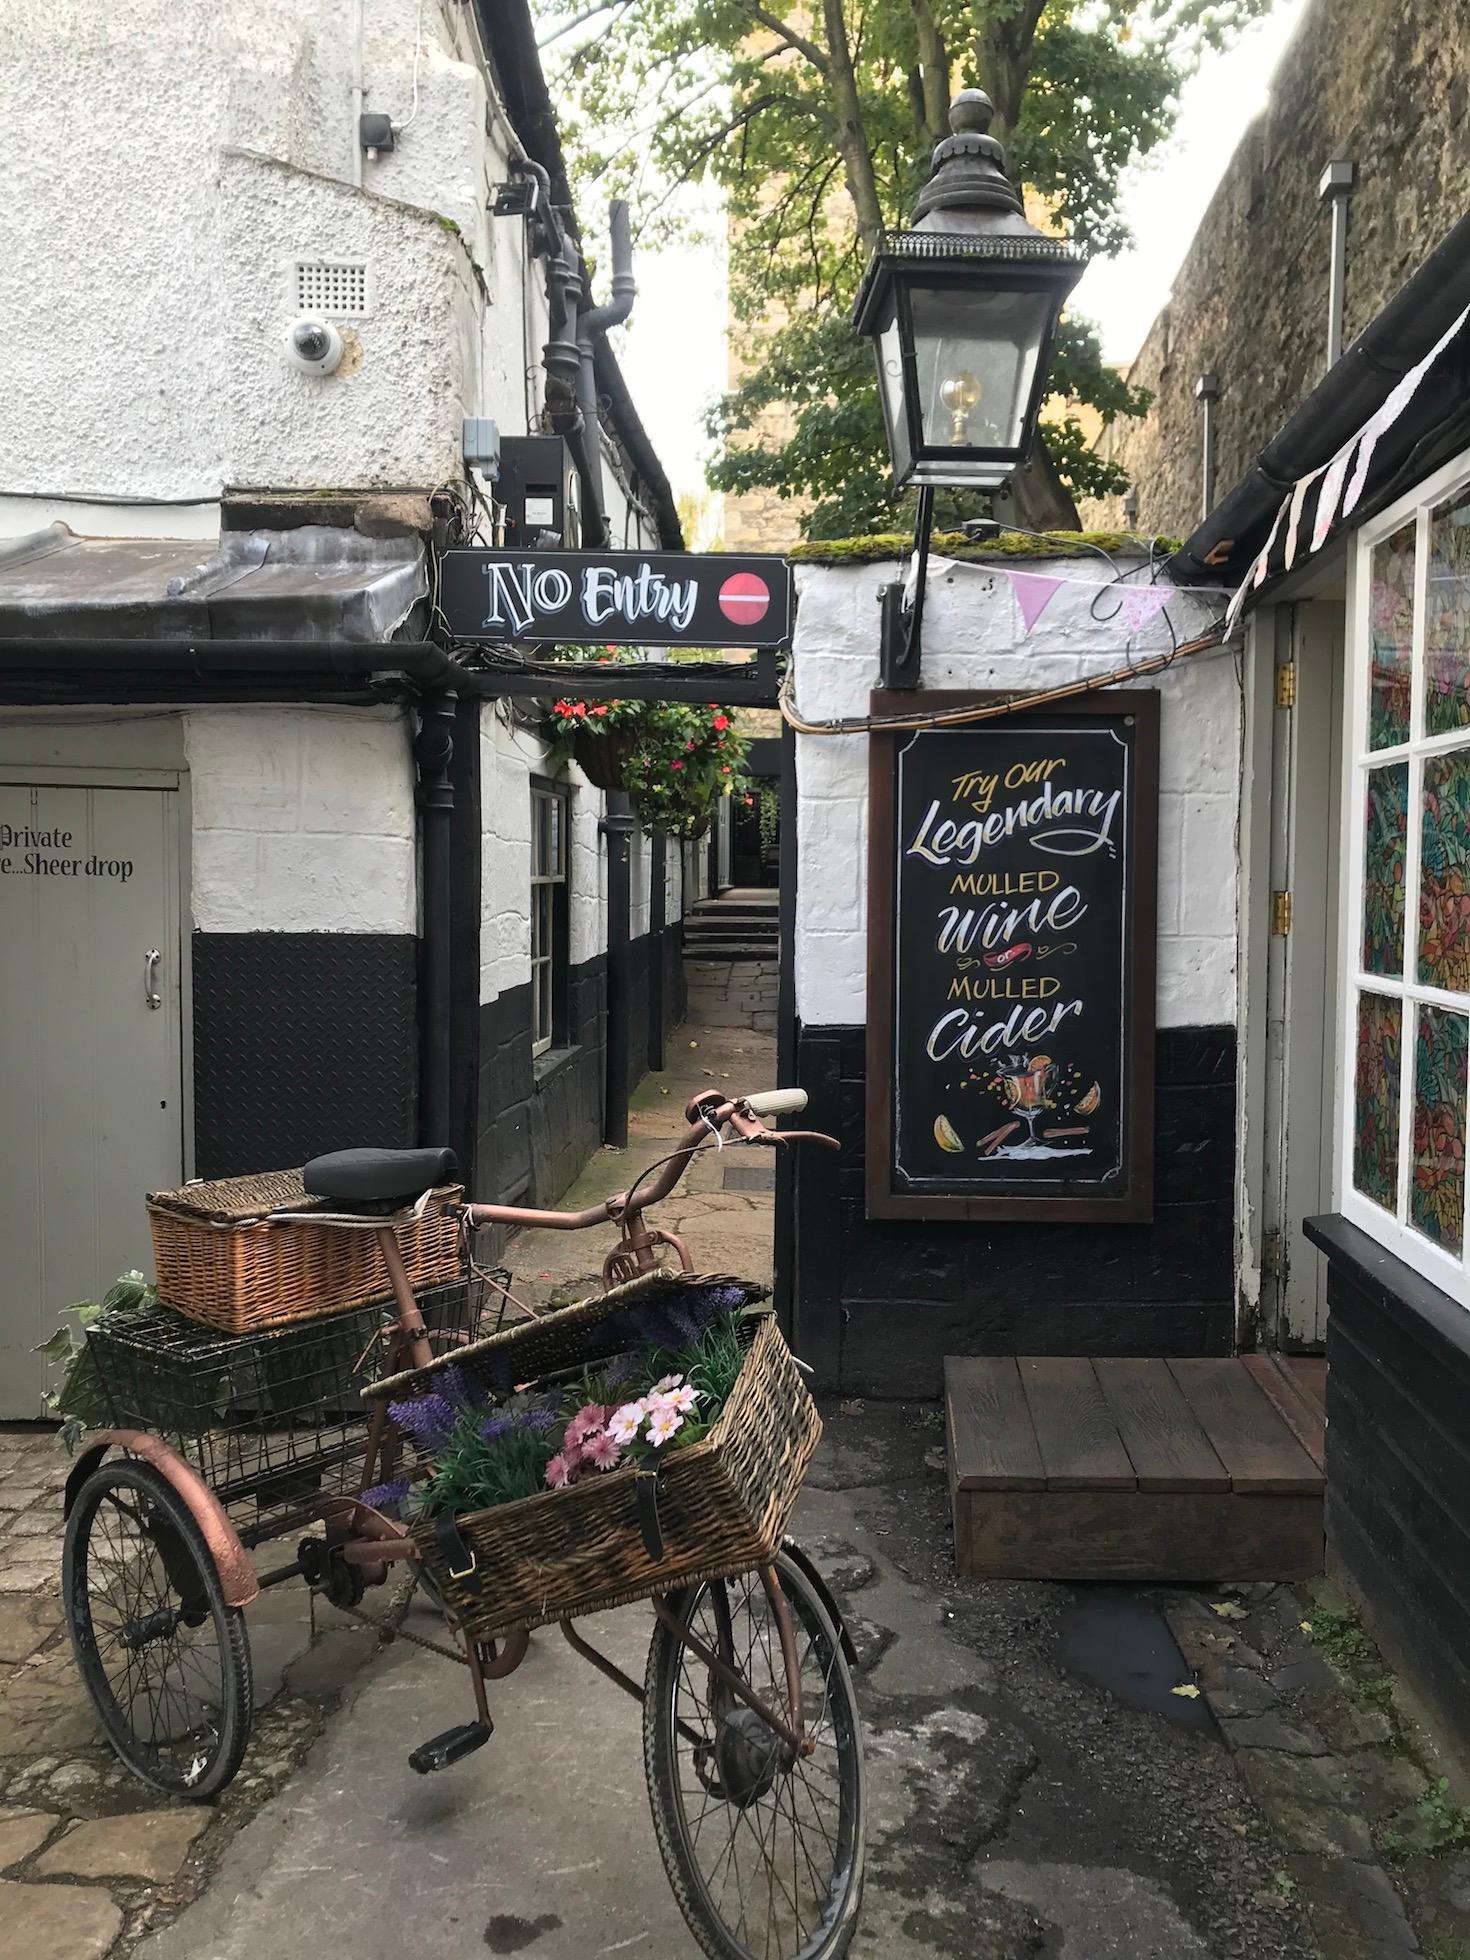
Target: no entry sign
[629,598]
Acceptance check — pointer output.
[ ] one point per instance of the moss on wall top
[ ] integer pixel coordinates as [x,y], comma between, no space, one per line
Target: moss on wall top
[954,544]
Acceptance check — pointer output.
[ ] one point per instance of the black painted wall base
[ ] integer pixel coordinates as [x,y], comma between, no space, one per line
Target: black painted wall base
[539,1119]
[1398,1461]
[304,1042]
[879,1303]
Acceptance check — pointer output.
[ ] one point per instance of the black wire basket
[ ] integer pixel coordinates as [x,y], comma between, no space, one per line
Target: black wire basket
[274,1421]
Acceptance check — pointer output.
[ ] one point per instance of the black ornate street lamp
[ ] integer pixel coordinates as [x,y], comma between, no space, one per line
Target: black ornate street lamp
[962,309]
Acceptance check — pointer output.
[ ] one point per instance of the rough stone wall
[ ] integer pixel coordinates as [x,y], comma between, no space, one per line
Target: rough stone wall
[1383,82]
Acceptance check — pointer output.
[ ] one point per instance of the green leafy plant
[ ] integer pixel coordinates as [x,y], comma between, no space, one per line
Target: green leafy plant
[80,1401]
[1433,1824]
[676,759]
[815,126]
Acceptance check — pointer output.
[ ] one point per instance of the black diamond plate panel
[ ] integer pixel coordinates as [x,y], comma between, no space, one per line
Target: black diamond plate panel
[303,1043]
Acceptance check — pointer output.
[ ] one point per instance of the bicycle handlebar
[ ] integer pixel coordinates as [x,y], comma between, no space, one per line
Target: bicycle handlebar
[707,1116]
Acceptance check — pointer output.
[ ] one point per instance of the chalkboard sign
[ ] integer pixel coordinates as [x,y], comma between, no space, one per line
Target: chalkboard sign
[1011,961]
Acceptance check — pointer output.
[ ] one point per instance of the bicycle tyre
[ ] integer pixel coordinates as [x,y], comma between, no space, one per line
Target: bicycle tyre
[707,1908]
[160,1569]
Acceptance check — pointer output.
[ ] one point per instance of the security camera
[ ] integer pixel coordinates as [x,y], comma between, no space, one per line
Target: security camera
[315,346]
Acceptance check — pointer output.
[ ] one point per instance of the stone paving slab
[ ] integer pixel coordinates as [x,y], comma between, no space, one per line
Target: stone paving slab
[148,1844]
[58,1922]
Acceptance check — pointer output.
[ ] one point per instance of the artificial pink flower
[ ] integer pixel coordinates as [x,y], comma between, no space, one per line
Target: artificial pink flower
[561,1470]
[603,1451]
[668,1382]
[588,1419]
[662,1425]
[624,1424]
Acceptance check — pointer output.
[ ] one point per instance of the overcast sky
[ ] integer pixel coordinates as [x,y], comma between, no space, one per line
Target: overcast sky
[673,350]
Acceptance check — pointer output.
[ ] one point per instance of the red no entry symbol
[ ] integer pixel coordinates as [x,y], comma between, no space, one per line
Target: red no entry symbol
[745,598]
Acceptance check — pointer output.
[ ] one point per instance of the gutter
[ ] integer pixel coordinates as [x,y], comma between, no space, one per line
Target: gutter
[509,35]
[1388,347]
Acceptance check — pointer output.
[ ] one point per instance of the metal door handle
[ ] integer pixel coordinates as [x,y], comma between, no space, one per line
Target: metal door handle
[150,977]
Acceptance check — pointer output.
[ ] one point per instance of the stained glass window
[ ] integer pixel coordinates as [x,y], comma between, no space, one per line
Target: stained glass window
[1447,618]
[1391,639]
[1437,1191]
[1406,1040]
[1376,1099]
[1444,872]
[1384,837]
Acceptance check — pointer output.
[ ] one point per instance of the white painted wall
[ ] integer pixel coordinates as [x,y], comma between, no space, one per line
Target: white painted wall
[303,820]
[972,639]
[509,757]
[166,161]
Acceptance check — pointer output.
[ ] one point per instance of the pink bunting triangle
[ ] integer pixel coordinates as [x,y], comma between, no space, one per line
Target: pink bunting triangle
[1034,593]
[1140,603]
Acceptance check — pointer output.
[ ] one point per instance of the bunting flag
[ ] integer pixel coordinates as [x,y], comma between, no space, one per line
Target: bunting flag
[1141,603]
[1034,593]
[1338,484]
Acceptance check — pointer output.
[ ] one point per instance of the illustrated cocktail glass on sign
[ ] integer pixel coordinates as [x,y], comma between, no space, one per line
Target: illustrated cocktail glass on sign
[1026,1083]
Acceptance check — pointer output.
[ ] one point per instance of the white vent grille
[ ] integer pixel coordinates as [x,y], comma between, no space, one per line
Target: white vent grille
[337,289]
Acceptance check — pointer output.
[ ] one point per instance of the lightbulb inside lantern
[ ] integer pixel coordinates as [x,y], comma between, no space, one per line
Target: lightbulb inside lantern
[960,394]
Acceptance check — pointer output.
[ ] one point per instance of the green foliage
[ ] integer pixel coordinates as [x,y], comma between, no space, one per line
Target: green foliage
[1433,1824]
[1342,1637]
[81,1402]
[678,758]
[815,126]
[472,1474]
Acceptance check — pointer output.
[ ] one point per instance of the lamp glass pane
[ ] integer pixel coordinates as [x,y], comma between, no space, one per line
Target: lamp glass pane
[888,347]
[977,353]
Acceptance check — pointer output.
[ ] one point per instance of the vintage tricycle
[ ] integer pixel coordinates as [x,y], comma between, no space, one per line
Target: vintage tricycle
[751,1736]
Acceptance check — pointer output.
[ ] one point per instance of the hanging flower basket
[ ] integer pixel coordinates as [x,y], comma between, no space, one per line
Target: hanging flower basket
[603,756]
[674,759]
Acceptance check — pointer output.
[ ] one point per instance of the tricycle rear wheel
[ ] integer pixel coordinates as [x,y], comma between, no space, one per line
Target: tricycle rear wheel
[165,1659]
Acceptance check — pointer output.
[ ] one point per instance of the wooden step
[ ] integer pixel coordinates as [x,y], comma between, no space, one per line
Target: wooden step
[1070,1467]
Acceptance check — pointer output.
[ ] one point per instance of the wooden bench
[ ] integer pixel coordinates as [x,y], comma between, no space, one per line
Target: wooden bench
[1065,1467]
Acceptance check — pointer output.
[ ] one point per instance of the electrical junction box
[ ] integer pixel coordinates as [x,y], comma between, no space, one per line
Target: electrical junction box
[540,493]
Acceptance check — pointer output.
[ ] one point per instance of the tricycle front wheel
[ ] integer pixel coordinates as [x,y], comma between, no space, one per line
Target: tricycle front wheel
[165,1659]
[763,1846]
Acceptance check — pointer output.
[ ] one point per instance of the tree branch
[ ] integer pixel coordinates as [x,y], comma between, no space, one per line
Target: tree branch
[851,137]
[808,50]
[933,73]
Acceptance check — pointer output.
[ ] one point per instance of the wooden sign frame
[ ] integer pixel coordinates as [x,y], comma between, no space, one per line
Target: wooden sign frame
[1132,1201]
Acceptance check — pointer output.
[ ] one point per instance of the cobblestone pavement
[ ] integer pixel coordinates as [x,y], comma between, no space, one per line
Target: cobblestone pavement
[1038,1788]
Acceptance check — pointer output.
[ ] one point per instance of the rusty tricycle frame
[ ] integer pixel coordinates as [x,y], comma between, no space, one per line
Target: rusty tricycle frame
[360,1543]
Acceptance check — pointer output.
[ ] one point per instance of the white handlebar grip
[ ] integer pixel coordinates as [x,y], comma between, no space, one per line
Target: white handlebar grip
[777,1102]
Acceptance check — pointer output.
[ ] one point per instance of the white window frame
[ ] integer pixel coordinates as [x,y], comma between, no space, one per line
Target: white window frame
[1442,1268]
[546,927]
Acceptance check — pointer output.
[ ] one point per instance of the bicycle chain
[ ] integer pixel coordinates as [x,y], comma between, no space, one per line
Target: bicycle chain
[387,1632]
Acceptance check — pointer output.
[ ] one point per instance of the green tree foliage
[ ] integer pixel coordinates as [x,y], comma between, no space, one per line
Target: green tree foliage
[816,122]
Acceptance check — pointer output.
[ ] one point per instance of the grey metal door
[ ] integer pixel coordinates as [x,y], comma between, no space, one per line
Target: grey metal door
[91,1100]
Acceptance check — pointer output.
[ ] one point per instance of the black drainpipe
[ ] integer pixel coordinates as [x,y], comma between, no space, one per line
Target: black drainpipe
[433,751]
[658,895]
[618,826]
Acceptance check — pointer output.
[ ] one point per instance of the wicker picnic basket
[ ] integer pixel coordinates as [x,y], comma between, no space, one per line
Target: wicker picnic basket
[220,1261]
[721,1505]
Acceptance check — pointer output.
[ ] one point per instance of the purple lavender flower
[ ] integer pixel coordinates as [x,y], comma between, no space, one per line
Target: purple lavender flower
[622,1369]
[494,1427]
[538,1419]
[385,1497]
[429,1419]
[461,1388]
[686,1319]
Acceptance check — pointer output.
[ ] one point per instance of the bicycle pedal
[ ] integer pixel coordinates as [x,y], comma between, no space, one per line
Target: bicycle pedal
[451,1747]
